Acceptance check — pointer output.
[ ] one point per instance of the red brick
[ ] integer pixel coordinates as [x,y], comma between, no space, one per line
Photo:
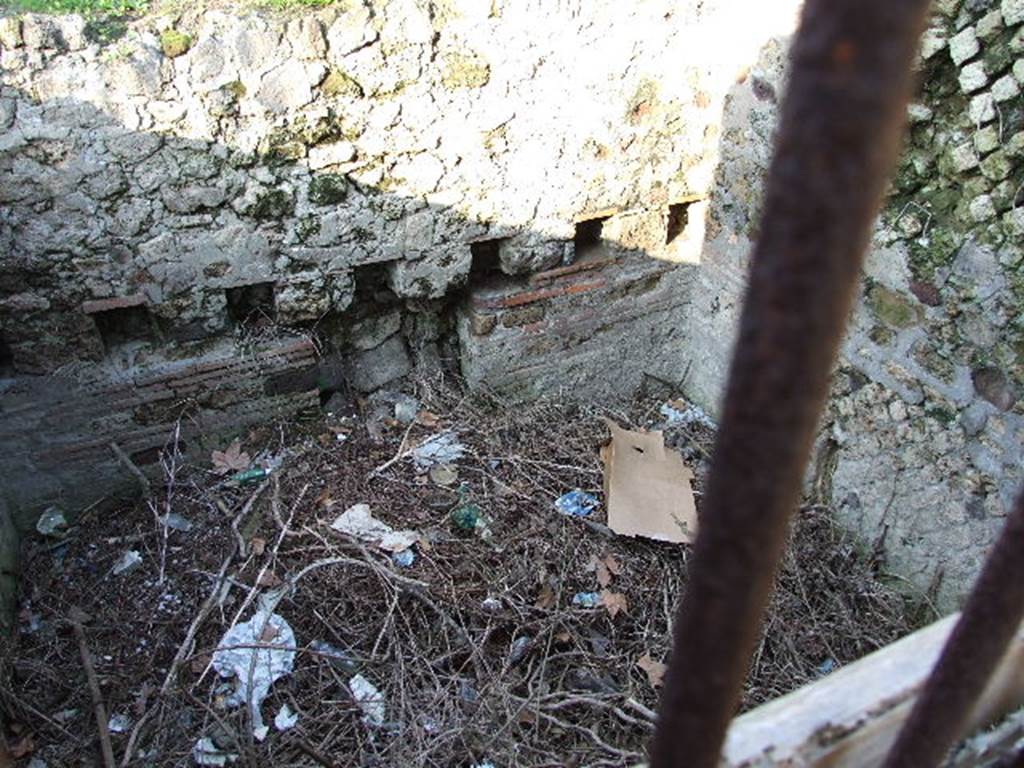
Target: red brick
[579,266]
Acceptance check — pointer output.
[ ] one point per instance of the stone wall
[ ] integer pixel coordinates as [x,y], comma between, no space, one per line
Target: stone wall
[548,196]
[216,178]
[921,447]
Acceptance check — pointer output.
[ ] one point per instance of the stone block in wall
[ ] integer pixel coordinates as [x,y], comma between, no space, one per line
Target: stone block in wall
[973,77]
[307,296]
[964,46]
[374,368]
[1013,11]
[374,330]
[522,254]
[438,271]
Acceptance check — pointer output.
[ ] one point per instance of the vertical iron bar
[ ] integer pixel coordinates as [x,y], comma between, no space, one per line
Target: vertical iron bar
[839,133]
[986,627]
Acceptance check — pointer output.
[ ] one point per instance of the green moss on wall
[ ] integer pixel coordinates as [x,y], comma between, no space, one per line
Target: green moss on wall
[328,189]
[175,43]
[892,308]
[275,204]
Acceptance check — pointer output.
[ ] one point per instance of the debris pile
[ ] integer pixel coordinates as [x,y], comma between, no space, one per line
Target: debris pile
[439,583]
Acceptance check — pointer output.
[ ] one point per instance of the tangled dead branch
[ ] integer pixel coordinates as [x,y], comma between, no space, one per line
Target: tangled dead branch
[477,648]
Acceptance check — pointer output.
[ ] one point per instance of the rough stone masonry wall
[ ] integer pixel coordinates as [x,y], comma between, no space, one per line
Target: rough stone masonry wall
[411,180]
[922,442]
[342,170]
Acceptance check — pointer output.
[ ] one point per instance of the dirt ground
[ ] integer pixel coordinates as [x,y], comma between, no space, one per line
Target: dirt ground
[476,650]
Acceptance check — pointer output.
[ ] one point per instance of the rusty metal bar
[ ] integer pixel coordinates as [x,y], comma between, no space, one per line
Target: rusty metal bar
[987,625]
[838,139]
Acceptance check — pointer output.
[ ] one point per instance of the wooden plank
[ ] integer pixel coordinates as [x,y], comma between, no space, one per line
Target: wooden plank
[850,718]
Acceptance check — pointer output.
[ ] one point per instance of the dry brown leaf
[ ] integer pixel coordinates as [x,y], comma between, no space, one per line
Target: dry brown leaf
[268,634]
[563,637]
[324,499]
[268,579]
[546,598]
[526,717]
[258,546]
[612,564]
[234,459]
[23,747]
[604,575]
[655,670]
[427,419]
[614,602]
[142,699]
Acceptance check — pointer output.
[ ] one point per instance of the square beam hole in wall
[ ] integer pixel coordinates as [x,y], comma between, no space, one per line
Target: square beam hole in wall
[588,234]
[486,258]
[250,304]
[6,357]
[678,219]
[372,286]
[120,325]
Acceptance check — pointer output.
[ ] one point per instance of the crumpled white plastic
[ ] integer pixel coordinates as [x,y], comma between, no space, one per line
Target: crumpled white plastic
[205,752]
[357,521]
[439,449]
[369,699]
[261,666]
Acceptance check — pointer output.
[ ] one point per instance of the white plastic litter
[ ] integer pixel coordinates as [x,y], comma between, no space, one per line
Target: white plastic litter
[406,409]
[357,521]
[51,522]
[205,752]
[261,666]
[439,449]
[369,699]
[285,718]
[691,414]
[177,522]
[119,723]
[128,561]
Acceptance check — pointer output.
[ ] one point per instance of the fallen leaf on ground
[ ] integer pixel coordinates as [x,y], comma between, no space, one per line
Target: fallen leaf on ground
[268,579]
[142,698]
[258,546]
[614,602]
[655,670]
[427,419]
[546,598]
[604,576]
[612,564]
[269,633]
[234,459]
[23,747]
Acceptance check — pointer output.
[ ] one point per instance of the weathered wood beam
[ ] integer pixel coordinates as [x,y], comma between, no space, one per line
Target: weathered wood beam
[851,718]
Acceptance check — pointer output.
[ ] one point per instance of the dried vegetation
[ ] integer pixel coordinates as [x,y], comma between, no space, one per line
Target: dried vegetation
[477,648]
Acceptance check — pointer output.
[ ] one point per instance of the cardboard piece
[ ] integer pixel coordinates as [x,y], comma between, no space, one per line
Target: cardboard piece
[647,488]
